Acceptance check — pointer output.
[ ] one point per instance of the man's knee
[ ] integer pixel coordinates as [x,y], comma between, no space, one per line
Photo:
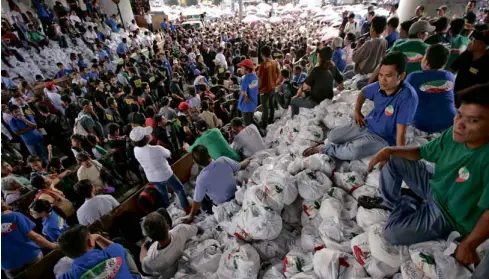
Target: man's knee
[394,235]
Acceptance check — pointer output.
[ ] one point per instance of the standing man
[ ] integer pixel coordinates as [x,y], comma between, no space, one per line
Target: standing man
[88,120]
[149,20]
[248,100]
[442,10]
[268,75]
[26,128]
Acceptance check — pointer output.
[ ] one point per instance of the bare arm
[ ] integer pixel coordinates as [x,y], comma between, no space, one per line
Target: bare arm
[465,252]
[40,240]
[410,153]
[401,134]
[144,251]
[374,75]
[358,117]
[244,164]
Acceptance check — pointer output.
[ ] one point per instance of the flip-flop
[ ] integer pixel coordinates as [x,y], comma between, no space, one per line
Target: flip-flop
[305,152]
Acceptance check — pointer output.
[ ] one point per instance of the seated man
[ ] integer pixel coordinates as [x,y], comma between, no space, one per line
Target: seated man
[452,196]
[216,183]
[94,207]
[160,258]
[20,242]
[111,262]
[395,104]
[247,140]
[434,87]
[213,140]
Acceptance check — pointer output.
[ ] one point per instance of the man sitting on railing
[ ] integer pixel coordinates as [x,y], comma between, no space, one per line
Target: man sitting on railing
[78,244]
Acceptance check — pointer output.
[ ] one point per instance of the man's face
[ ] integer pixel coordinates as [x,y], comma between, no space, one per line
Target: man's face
[441,12]
[471,124]
[419,12]
[369,18]
[89,107]
[351,19]
[20,100]
[36,166]
[389,78]
[17,113]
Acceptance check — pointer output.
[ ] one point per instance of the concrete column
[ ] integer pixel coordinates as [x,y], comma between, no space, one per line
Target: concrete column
[241,10]
[407,7]
[126,10]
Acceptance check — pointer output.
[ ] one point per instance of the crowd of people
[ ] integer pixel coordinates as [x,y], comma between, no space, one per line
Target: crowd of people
[128,114]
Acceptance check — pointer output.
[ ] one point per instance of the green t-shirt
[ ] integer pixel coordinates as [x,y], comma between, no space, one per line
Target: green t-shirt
[459,44]
[35,36]
[460,185]
[216,145]
[414,50]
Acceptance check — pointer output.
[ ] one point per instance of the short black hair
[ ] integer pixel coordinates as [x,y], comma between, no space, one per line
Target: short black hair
[110,101]
[397,59]
[470,17]
[396,6]
[285,73]
[237,122]
[74,241]
[200,154]
[112,128]
[204,105]
[441,24]
[66,98]
[83,188]
[41,205]
[143,142]
[437,56]
[351,37]
[150,112]
[393,22]
[32,159]
[457,26]
[406,25]
[351,15]
[201,125]
[477,95]
[371,13]
[379,23]
[38,182]
[43,108]
[155,227]
[265,51]
[165,101]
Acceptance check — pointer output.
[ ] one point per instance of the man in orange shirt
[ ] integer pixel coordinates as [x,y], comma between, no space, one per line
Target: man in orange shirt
[268,76]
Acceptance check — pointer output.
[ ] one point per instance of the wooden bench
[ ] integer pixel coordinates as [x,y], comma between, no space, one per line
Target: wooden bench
[44,268]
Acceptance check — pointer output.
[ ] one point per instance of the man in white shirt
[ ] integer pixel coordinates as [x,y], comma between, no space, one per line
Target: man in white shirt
[149,21]
[248,140]
[154,160]
[221,59]
[161,257]
[94,207]
[51,91]
[90,35]
[352,26]
[132,26]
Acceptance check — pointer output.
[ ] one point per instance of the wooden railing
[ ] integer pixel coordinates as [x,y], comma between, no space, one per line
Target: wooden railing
[44,268]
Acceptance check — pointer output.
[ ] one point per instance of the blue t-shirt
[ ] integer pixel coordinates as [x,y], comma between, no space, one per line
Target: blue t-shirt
[339,59]
[436,108]
[53,226]
[250,85]
[217,181]
[29,138]
[17,248]
[113,25]
[392,38]
[82,63]
[62,73]
[299,79]
[107,263]
[102,54]
[173,28]
[121,49]
[390,110]
[164,25]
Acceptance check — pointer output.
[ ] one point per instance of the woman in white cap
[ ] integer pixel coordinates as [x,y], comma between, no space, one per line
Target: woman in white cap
[154,160]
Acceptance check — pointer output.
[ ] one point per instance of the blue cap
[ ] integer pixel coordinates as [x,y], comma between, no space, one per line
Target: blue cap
[196,72]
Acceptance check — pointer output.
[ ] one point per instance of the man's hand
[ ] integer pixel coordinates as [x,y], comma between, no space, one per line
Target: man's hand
[380,158]
[50,148]
[247,99]
[188,219]
[341,87]
[465,254]
[360,119]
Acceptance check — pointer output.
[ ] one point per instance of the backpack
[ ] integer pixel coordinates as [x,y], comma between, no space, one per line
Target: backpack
[78,128]
[150,199]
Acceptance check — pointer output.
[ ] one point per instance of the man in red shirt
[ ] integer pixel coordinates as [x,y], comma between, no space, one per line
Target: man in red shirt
[268,76]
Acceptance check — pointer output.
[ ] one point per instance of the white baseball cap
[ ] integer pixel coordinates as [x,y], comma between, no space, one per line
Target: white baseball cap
[138,133]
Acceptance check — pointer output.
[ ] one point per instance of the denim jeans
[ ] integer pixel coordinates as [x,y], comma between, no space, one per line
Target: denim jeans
[268,107]
[38,149]
[410,221]
[297,103]
[177,187]
[351,142]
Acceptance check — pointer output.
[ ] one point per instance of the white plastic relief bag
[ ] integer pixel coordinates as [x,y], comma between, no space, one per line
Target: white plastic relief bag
[329,263]
[312,185]
[261,195]
[226,211]
[297,261]
[337,233]
[282,185]
[348,181]
[292,213]
[393,255]
[369,217]
[317,162]
[205,256]
[261,223]
[241,262]
[311,239]
[310,213]
[338,203]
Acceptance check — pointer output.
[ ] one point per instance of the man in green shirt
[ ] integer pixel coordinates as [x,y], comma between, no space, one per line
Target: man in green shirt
[214,141]
[452,196]
[414,48]
[458,42]
[36,38]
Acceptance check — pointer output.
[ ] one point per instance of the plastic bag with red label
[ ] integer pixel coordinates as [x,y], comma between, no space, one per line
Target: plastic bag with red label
[338,203]
[332,264]
[261,223]
[240,262]
[312,185]
[311,239]
[348,181]
[226,211]
[297,261]
[263,196]
[310,213]
[205,256]
[317,162]
[337,233]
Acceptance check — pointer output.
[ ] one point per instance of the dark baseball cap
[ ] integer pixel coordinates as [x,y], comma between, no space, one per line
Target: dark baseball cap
[442,7]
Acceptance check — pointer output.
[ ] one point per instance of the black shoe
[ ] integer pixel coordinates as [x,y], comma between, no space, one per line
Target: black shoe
[371,202]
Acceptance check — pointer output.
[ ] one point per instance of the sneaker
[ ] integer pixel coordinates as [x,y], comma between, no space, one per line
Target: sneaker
[371,202]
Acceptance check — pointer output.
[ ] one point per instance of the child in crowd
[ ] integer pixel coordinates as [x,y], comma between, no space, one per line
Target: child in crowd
[299,76]
[339,57]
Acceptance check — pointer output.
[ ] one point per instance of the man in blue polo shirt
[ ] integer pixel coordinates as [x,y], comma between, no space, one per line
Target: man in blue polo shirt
[216,183]
[112,23]
[122,48]
[111,262]
[164,25]
[20,244]
[395,104]
[248,100]
[434,87]
[25,126]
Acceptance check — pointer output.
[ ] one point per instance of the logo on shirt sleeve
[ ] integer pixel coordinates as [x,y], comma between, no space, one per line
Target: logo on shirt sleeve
[107,269]
[414,57]
[437,86]
[389,110]
[463,174]
[61,222]
[254,84]
[8,228]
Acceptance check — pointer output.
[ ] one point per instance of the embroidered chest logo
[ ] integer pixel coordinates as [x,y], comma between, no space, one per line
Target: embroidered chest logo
[389,110]
[463,174]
